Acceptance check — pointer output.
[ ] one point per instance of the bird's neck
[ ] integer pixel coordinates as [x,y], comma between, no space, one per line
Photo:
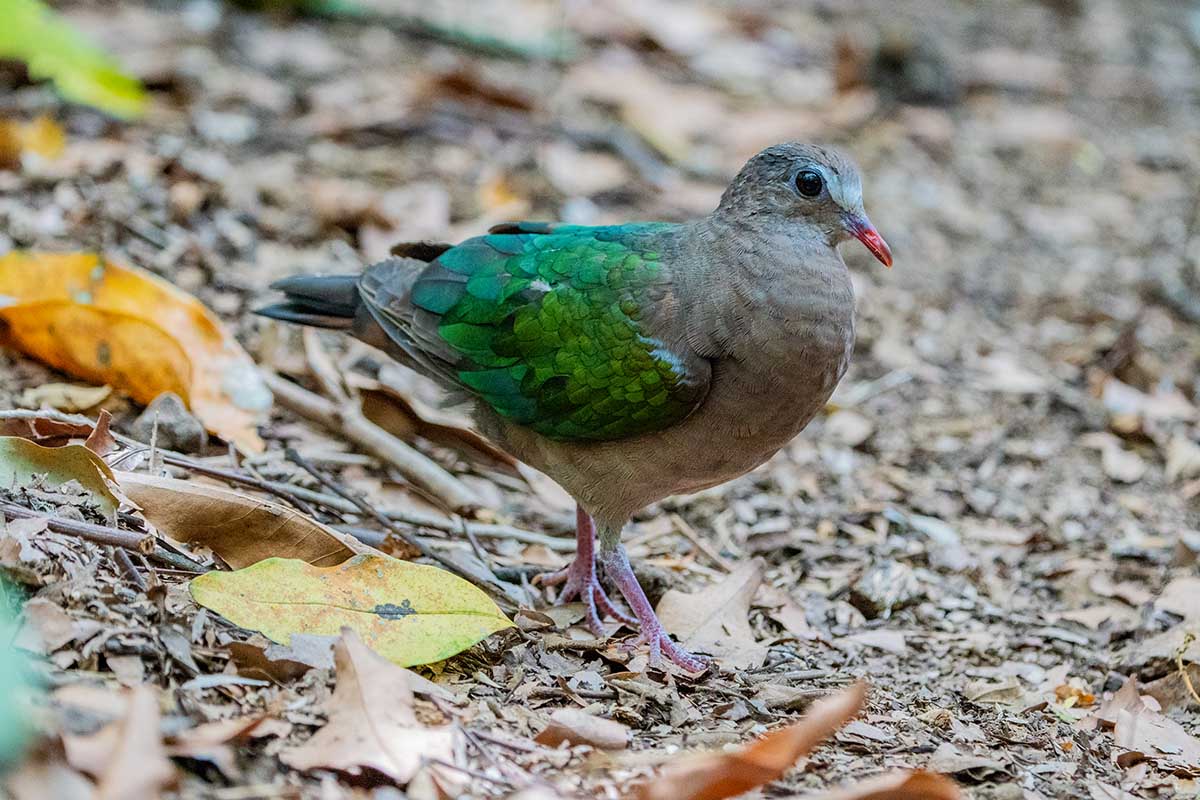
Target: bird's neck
[777,294]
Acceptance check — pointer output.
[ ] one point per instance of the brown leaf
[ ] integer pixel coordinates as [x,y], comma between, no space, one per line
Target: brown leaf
[713,776]
[1140,731]
[45,774]
[283,663]
[579,727]
[716,620]
[48,627]
[210,742]
[900,785]
[371,724]
[44,431]
[242,530]
[126,757]
[100,441]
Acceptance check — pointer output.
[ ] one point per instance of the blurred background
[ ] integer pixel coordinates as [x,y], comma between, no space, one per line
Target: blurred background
[1016,442]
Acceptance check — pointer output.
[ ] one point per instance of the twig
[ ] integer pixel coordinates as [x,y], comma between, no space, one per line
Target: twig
[301,497]
[479,776]
[274,488]
[417,544]
[582,645]
[350,422]
[419,519]
[690,534]
[520,747]
[100,534]
[121,556]
[860,393]
[547,692]
[1188,638]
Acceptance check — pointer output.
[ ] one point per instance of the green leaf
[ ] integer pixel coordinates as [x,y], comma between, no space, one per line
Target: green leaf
[53,50]
[21,460]
[408,613]
[13,726]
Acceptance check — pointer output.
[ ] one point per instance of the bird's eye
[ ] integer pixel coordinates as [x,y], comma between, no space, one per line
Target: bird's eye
[809,183]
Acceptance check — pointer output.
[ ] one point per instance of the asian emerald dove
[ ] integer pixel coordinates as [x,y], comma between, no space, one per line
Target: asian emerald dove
[629,362]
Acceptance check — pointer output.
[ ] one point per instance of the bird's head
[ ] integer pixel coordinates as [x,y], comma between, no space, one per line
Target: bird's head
[816,188]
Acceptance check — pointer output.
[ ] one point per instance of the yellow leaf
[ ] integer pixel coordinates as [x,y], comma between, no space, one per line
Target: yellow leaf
[107,323]
[43,136]
[408,613]
[21,460]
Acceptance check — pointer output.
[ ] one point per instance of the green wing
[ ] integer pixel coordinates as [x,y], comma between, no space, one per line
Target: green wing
[548,325]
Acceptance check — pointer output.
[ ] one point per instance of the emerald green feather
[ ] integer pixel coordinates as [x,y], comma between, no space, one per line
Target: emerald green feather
[545,321]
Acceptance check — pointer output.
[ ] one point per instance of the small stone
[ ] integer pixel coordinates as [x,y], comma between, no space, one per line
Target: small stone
[177,428]
[578,727]
[848,428]
[884,588]
[185,198]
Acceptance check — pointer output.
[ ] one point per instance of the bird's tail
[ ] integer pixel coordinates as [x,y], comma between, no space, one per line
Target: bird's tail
[320,301]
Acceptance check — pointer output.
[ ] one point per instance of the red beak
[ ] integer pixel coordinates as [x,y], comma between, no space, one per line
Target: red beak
[862,229]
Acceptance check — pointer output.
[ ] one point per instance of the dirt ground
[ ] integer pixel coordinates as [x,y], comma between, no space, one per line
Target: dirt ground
[994,523]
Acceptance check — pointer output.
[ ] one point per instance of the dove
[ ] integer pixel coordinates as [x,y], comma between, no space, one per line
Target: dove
[628,362]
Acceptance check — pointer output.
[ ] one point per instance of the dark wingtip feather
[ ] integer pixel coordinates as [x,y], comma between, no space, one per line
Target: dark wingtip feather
[304,315]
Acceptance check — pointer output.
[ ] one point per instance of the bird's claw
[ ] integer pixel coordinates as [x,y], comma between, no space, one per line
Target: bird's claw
[582,582]
[660,645]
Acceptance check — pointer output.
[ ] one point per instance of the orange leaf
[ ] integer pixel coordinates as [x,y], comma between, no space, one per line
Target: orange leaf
[899,785]
[714,776]
[107,323]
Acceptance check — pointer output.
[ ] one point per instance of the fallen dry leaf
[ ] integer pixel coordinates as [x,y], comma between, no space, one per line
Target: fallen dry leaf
[1120,464]
[579,727]
[41,136]
[1183,458]
[371,720]
[211,742]
[283,663]
[241,529]
[127,756]
[101,440]
[44,430]
[44,773]
[21,461]
[68,397]
[713,776]
[48,627]
[117,325]
[716,619]
[410,613]
[901,785]
[1140,731]
[1182,596]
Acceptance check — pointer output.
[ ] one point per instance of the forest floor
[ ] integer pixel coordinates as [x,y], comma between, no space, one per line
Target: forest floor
[994,523]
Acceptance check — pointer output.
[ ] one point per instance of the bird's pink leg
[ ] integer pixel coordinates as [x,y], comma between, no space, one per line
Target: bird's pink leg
[651,632]
[579,578]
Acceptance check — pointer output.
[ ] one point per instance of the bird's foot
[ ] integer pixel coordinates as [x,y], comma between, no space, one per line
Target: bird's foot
[579,581]
[650,630]
[660,645]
